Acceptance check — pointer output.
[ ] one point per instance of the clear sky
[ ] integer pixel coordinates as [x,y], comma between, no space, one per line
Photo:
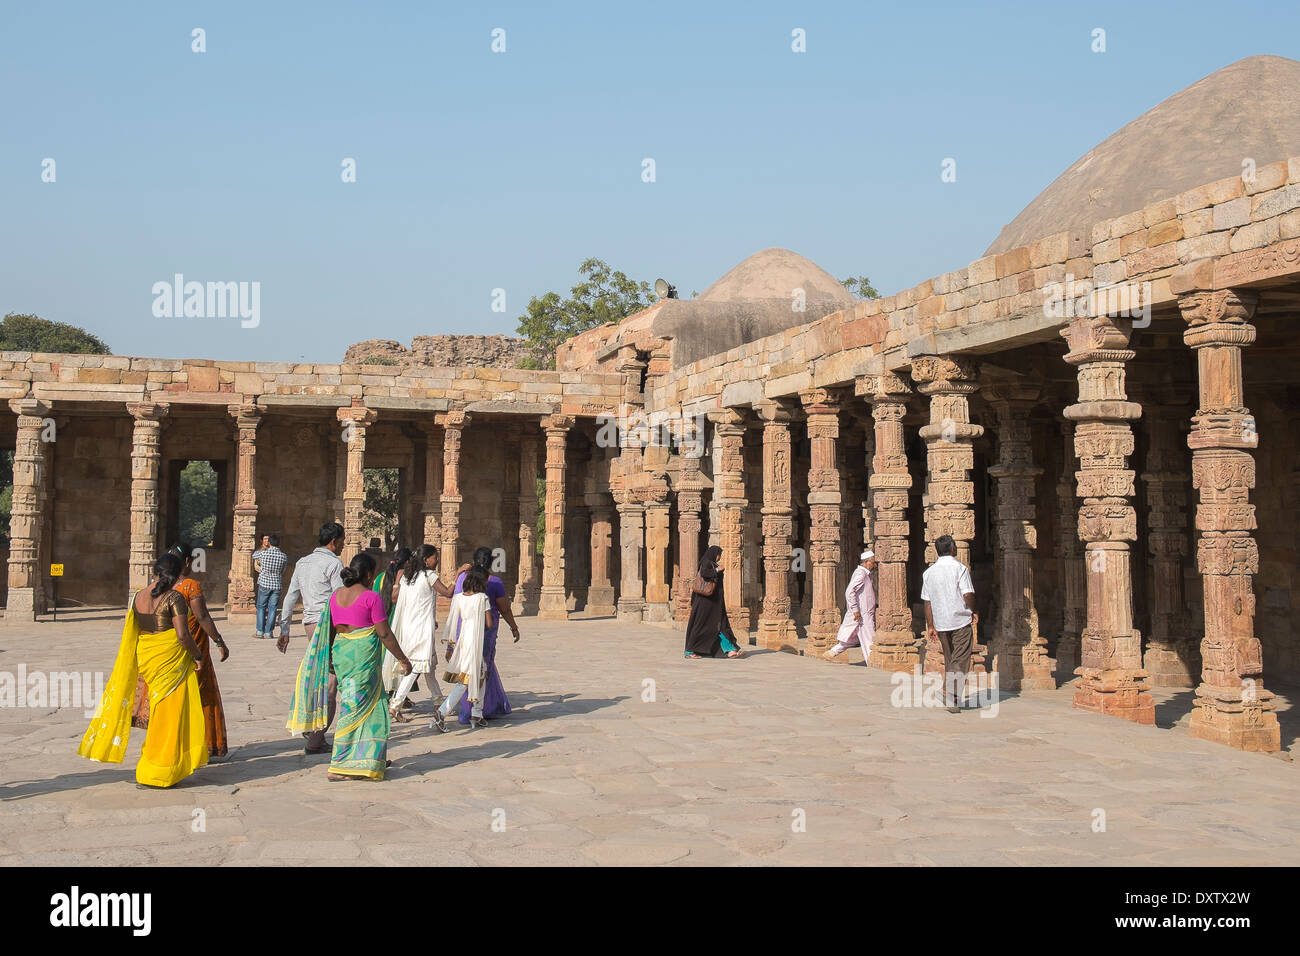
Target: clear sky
[479,170]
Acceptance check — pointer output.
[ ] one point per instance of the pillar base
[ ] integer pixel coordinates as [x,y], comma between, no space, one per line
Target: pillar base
[1171,666]
[553,605]
[820,640]
[778,635]
[20,608]
[1021,667]
[600,602]
[629,609]
[1115,693]
[1221,716]
[657,611]
[524,604]
[894,651]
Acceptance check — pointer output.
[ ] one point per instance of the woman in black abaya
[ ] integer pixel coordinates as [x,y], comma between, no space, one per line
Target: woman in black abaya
[708,632]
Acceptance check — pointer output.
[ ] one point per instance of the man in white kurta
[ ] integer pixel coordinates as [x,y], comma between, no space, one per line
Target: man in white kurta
[858,628]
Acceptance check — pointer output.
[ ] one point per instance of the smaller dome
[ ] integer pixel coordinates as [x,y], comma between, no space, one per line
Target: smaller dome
[774,274]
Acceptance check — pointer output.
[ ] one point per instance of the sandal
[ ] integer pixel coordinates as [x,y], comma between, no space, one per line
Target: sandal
[400,717]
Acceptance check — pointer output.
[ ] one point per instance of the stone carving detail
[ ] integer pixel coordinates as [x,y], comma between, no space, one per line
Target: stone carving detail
[27,517]
[775,626]
[729,496]
[1111,678]
[242,595]
[553,604]
[146,456]
[356,419]
[822,408]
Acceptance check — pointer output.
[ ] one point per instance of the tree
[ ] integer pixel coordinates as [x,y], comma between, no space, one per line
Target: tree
[379,512]
[861,287]
[31,333]
[605,295]
[198,503]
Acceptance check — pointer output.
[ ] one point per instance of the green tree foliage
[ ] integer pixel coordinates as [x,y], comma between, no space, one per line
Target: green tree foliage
[604,295]
[379,513]
[861,287]
[31,333]
[198,504]
[6,493]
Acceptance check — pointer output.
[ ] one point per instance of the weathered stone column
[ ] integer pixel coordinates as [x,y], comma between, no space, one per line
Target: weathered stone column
[656,548]
[600,595]
[454,422]
[690,524]
[823,411]
[146,457]
[950,456]
[1070,554]
[432,504]
[527,586]
[775,626]
[729,496]
[27,518]
[894,648]
[1171,648]
[1232,706]
[1111,678]
[356,419]
[631,530]
[553,604]
[242,597]
[1018,650]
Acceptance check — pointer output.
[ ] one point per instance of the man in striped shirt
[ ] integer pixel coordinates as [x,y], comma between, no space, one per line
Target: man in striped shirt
[269,562]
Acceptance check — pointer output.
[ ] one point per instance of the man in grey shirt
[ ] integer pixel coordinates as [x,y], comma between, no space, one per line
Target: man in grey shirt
[315,577]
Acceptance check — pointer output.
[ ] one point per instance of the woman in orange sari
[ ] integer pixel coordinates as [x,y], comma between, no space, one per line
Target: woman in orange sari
[156,644]
[201,627]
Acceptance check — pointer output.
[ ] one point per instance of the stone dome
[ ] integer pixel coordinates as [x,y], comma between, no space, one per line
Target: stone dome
[1200,134]
[774,274]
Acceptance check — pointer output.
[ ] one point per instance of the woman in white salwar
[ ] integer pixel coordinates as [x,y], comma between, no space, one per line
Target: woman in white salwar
[468,620]
[414,624]
[859,625]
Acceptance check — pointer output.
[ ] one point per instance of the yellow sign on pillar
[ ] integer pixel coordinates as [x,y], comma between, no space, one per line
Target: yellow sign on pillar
[56,570]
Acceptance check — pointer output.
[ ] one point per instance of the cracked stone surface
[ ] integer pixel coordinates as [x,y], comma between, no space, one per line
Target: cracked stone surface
[773,759]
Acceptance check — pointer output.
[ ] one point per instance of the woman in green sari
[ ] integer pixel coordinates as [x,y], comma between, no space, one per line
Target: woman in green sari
[350,638]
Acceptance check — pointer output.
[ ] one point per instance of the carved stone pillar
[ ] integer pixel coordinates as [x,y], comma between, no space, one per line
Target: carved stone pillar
[27,517]
[527,586]
[553,604]
[600,595]
[356,419]
[1232,706]
[775,626]
[824,500]
[1111,678]
[1070,554]
[950,455]
[1018,650]
[242,598]
[894,648]
[1171,647]
[454,422]
[656,550]
[729,497]
[690,523]
[146,457]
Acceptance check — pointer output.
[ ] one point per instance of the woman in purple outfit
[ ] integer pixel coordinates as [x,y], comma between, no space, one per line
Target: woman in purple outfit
[495,702]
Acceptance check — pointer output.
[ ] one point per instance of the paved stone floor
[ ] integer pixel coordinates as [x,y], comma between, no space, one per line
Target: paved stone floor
[720,767]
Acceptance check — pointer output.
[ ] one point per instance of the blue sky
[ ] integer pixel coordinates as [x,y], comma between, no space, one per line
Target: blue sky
[478,171]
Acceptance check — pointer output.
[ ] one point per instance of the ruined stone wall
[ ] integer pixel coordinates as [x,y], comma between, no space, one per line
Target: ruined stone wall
[92,517]
[465,351]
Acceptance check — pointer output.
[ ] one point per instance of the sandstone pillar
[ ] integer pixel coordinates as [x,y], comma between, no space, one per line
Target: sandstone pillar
[1018,649]
[146,457]
[894,648]
[356,419]
[824,500]
[1070,554]
[690,524]
[432,504]
[453,422]
[1111,678]
[1171,647]
[656,549]
[27,517]
[527,585]
[729,497]
[950,456]
[600,595]
[1232,706]
[775,626]
[553,603]
[242,596]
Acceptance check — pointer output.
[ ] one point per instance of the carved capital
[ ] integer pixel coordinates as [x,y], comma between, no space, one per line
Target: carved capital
[148,411]
[358,415]
[887,388]
[1098,338]
[1234,306]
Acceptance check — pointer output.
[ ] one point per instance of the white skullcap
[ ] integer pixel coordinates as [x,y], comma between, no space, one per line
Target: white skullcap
[867,554]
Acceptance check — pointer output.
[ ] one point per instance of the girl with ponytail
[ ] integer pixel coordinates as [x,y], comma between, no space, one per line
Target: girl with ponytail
[495,701]
[415,623]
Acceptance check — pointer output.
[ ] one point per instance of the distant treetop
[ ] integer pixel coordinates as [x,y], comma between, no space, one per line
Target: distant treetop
[31,333]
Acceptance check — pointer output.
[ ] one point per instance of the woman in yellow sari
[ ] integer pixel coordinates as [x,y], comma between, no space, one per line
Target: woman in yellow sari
[157,646]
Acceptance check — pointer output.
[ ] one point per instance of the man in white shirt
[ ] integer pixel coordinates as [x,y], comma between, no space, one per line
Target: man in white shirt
[949,600]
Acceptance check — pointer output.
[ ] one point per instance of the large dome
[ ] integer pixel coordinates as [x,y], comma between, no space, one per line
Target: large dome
[1250,109]
[774,274]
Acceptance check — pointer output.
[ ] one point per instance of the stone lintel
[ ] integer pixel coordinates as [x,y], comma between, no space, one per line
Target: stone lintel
[317,401]
[87,391]
[398,403]
[509,408]
[998,336]
[742,393]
